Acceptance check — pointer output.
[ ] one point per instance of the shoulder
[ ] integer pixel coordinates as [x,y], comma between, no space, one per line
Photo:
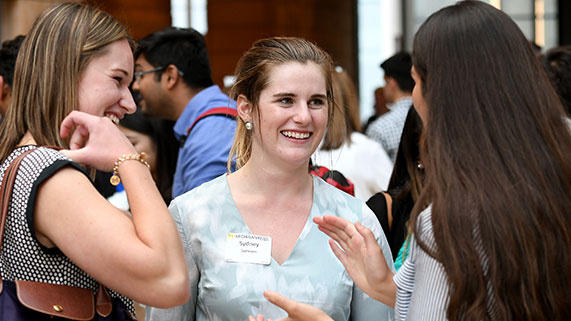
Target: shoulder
[333,201]
[202,195]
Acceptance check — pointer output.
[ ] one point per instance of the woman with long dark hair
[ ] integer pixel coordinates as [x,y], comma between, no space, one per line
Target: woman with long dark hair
[495,243]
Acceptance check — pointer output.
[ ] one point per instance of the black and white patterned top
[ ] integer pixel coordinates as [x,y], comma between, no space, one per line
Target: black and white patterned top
[23,257]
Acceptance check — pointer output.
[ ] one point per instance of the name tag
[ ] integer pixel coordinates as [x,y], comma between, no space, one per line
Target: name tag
[248,248]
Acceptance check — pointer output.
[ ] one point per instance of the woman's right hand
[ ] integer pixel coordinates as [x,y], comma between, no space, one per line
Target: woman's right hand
[296,311]
[94,141]
[355,246]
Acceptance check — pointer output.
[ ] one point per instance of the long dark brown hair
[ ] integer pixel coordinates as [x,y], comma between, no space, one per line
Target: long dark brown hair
[497,154]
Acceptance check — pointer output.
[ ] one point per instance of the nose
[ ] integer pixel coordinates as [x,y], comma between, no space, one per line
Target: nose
[127,102]
[301,113]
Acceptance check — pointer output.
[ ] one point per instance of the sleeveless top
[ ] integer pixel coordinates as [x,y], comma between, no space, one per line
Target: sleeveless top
[23,257]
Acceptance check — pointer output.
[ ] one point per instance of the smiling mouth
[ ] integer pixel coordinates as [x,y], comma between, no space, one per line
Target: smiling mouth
[113,118]
[295,135]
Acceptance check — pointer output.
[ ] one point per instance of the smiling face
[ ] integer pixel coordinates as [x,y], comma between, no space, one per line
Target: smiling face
[292,114]
[104,84]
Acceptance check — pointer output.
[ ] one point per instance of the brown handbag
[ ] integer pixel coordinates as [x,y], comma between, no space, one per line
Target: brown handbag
[53,300]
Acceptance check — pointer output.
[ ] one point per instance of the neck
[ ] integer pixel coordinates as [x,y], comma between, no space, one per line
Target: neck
[273,182]
[27,139]
[181,97]
[401,94]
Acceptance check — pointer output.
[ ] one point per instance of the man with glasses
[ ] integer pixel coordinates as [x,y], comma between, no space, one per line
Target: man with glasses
[172,78]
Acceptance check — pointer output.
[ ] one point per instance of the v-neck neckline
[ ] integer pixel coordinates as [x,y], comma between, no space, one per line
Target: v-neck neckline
[306,227]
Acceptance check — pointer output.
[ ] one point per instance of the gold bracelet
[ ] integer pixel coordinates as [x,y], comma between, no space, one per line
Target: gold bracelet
[115,180]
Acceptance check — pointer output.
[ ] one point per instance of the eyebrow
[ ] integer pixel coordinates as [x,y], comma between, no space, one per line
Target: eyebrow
[278,95]
[121,70]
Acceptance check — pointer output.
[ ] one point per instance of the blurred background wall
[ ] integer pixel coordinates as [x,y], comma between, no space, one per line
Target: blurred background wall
[359,34]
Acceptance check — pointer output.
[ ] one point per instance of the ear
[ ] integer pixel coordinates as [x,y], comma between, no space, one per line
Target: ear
[4,88]
[244,107]
[171,76]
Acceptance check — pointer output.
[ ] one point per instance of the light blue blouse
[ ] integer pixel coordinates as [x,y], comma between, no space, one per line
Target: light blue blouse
[312,274]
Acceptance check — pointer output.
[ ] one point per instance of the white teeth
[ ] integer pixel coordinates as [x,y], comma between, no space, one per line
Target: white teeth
[295,134]
[113,118]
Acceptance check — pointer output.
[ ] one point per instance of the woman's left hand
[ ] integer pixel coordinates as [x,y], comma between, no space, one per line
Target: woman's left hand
[94,141]
[296,311]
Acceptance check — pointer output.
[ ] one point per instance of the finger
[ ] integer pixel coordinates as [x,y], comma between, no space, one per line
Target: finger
[340,225]
[367,234]
[340,254]
[251,318]
[342,236]
[260,317]
[280,300]
[342,239]
[75,118]
[78,138]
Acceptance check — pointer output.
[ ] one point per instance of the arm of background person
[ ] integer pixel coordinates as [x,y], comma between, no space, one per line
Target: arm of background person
[141,258]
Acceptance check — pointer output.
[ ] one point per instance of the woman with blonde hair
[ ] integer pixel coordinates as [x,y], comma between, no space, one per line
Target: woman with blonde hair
[71,84]
[251,230]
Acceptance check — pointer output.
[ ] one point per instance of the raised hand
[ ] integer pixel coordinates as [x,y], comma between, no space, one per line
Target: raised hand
[95,141]
[355,246]
[296,311]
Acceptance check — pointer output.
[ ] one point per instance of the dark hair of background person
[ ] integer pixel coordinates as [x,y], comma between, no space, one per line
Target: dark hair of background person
[557,64]
[497,157]
[161,133]
[8,54]
[184,48]
[345,120]
[407,176]
[398,67]
[405,185]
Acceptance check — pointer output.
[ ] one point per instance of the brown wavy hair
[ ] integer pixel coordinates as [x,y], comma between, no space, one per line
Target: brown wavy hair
[497,154]
[58,48]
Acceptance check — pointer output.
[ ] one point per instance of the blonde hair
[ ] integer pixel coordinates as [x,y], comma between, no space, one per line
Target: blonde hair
[62,42]
[346,117]
[252,76]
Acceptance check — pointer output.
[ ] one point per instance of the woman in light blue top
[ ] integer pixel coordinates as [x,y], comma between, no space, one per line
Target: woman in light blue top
[252,230]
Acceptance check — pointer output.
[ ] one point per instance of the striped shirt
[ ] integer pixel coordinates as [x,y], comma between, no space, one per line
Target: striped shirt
[422,285]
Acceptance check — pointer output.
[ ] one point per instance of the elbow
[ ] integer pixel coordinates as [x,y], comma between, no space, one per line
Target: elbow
[175,291]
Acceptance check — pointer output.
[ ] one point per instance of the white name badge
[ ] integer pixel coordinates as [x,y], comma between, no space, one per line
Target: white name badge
[248,248]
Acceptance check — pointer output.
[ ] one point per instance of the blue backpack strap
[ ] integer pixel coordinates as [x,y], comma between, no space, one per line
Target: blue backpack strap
[217,111]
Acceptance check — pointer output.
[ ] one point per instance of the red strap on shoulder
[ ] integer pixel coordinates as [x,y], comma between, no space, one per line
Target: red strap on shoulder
[217,111]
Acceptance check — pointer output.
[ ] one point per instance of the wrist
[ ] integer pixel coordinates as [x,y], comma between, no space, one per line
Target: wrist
[115,179]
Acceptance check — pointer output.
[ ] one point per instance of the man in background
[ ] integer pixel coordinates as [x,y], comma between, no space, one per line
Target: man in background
[173,79]
[8,54]
[387,129]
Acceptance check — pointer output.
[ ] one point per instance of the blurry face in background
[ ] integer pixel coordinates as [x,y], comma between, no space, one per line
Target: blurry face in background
[417,97]
[143,143]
